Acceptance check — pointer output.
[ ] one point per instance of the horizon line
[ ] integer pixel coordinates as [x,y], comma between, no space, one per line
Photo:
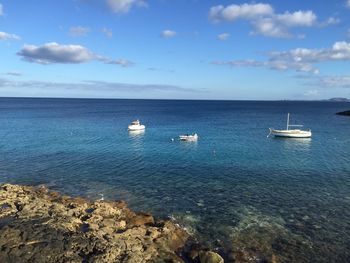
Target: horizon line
[336,99]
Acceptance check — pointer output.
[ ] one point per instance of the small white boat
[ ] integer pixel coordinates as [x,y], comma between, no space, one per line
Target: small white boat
[136,126]
[290,133]
[189,137]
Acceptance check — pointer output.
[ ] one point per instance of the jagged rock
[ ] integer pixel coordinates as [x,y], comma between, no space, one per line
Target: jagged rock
[210,257]
[141,219]
[37,225]
[344,113]
[247,256]
[193,254]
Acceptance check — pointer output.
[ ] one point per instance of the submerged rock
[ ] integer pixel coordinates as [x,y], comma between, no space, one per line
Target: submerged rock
[37,225]
[344,113]
[264,238]
[210,257]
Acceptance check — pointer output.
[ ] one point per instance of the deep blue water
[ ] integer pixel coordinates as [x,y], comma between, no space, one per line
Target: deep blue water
[234,187]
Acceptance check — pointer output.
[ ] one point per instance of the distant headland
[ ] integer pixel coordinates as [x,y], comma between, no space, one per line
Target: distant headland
[339,99]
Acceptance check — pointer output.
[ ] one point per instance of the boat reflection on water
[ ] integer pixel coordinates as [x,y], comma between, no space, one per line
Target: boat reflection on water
[136,133]
[189,145]
[136,139]
[295,143]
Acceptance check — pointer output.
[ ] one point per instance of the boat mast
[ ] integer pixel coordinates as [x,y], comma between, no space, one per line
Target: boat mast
[288,122]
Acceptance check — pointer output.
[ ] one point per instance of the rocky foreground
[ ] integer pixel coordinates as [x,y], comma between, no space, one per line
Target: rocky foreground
[38,225]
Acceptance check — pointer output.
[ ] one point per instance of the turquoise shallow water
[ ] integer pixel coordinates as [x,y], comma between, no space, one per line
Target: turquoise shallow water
[233,188]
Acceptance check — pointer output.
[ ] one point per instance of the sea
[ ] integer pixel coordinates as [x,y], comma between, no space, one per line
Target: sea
[234,188]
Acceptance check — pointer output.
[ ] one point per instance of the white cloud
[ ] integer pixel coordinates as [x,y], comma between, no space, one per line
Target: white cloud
[120,62]
[268,27]
[330,21]
[338,51]
[333,82]
[312,93]
[7,36]
[265,21]
[107,32]
[271,64]
[13,73]
[168,33]
[223,36]
[79,31]
[52,53]
[240,63]
[325,81]
[300,59]
[1,10]
[124,6]
[234,12]
[299,18]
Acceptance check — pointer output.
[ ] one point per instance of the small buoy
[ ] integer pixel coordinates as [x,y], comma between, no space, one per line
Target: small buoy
[172,139]
[102,197]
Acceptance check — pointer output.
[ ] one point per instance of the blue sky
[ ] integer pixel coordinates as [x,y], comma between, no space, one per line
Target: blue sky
[183,49]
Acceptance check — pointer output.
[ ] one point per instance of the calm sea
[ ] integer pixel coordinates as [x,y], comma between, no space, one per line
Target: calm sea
[234,187]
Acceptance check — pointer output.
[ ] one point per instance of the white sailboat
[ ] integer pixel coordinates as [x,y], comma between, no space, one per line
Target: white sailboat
[290,133]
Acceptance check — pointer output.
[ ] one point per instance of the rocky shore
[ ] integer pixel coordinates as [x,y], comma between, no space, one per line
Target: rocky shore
[38,225]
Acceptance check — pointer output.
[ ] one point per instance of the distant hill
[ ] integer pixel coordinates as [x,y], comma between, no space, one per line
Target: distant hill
[339,99]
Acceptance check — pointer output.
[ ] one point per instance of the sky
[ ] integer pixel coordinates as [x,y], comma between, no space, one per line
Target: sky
[183,49]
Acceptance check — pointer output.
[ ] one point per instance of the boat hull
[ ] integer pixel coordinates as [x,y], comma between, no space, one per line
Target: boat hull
[188,138]
[291,133]
[136,127]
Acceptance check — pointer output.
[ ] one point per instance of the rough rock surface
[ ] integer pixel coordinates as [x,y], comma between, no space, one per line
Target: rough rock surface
[37,225]
[344,113]
[210,257]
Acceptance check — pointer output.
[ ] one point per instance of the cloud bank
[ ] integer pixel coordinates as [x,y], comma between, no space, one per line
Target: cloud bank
[300,59]
[264,20]
[53,53]
[90,88]
[337,81]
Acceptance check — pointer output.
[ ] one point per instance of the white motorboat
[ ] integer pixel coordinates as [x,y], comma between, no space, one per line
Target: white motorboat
[136,126]
[291,133]
[189,137]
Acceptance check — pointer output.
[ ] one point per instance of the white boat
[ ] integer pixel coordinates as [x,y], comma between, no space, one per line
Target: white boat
[290,133]
[189,137]
[136,126]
